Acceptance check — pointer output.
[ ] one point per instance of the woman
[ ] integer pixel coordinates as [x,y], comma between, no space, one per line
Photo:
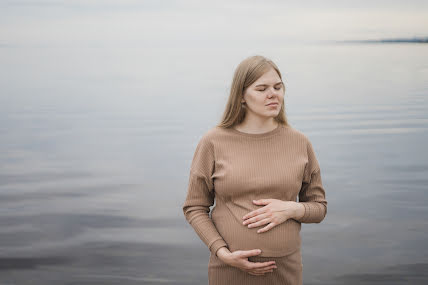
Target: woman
[254,165]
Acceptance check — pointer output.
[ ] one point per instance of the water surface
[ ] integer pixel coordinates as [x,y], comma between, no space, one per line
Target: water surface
[95,153]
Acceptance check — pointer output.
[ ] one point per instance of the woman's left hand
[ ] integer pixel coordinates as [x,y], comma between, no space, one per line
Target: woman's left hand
[274,213]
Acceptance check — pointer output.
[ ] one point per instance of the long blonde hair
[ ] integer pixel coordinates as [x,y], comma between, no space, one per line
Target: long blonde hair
[247,72]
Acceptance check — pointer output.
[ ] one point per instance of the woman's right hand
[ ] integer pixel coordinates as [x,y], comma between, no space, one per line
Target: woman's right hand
[239,259]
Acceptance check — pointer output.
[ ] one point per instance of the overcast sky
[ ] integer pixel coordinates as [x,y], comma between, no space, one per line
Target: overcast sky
[163,23]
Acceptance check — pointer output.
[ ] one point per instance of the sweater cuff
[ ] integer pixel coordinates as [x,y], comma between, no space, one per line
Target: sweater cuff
[307,211]
[217,245]
[314,212]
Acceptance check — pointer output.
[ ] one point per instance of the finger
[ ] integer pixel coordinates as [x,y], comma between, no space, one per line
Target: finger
[255,273]
[252,214]
[259,223]
[262,269]
[248,253]
[255,219]
[262,201]
[268,227]
[256,265]
[265,269]
[261,273]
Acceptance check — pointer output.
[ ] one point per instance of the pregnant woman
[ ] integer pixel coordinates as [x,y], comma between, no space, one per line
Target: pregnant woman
[254,165]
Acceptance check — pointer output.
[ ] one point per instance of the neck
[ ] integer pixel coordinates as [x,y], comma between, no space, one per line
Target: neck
[256,124]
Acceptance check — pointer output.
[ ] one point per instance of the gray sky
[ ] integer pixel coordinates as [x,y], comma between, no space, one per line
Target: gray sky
[131,23]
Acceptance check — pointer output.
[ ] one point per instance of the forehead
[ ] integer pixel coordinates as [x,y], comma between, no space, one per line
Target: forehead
[270,77]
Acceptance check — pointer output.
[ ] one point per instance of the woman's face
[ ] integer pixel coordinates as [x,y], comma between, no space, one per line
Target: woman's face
[265,90]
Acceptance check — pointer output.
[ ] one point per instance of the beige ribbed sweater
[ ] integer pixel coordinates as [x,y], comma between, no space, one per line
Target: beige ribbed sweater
[233,168]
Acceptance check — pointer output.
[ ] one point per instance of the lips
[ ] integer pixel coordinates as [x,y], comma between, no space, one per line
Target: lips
[271,104]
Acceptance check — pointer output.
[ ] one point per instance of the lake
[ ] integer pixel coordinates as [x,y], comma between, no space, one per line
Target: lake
[96,145]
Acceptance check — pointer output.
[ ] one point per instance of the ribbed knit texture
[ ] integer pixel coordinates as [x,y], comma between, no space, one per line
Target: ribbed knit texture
[289,271]
[233,168]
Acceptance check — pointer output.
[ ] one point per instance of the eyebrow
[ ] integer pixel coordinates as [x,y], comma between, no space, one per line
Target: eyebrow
[267,84]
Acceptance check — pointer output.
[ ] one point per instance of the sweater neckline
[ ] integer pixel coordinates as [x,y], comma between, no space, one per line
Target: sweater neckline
[260,135]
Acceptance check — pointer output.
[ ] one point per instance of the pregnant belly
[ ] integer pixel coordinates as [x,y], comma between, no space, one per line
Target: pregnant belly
[278,241]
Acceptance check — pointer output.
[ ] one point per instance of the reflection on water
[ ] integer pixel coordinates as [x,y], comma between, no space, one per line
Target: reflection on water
[92,192]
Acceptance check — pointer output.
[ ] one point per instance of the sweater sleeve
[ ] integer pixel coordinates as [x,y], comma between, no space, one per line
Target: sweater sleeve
[312,193]
[200,196]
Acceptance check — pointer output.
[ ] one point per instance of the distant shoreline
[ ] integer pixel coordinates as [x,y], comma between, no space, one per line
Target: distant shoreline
[396,40]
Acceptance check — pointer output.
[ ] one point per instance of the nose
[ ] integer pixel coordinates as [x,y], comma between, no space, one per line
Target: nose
[272,92]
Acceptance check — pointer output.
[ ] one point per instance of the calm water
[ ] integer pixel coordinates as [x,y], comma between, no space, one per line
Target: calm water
[96,146]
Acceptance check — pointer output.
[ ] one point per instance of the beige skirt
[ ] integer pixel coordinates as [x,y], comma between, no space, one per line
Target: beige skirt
[289,271]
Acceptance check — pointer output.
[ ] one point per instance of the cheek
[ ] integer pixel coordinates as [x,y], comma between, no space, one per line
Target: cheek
[260,105]
[255,100]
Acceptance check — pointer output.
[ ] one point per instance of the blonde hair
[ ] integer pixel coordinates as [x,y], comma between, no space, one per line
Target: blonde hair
[247,72]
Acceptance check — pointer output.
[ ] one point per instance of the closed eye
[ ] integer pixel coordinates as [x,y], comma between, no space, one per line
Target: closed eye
[279,88]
